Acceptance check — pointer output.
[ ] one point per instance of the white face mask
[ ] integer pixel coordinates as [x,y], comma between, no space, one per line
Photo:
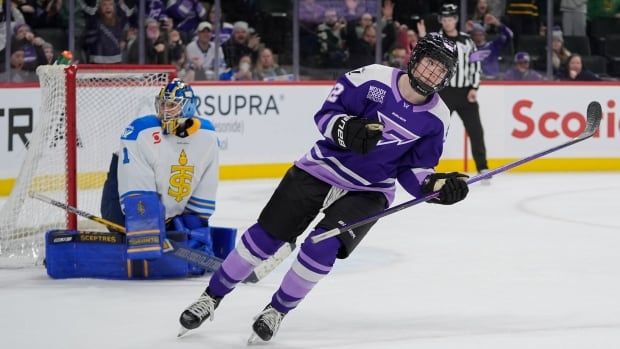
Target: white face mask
[244,66]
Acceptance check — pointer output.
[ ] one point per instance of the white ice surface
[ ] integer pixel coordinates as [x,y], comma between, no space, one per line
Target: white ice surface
[532,261]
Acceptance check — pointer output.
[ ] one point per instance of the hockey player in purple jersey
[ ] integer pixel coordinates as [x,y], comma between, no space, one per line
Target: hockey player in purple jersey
[380,125]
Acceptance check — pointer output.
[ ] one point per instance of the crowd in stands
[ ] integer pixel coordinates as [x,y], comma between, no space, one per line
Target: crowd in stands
[334,36]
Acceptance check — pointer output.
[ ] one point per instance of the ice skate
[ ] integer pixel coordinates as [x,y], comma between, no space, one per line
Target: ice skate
[265,325]
[486,181]
[202,309]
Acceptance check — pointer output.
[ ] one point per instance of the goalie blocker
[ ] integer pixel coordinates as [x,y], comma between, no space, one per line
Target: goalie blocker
[77,254]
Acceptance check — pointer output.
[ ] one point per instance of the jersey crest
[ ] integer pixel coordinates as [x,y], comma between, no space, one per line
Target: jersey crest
[181,176]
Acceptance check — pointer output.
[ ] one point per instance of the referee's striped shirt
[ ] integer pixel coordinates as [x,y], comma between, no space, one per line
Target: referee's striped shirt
[467,74]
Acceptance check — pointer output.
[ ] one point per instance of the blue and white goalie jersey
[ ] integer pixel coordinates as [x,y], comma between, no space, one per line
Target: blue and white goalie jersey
[182,171]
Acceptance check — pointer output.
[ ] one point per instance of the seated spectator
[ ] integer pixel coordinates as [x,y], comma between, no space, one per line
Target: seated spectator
[521,70]
[240,44]
[186,14]
[266,67]
[17,72]
[559,53]
[226,28]
[575,71]
[105,30]
[201,54]
[488,52]
[362,52]
[331,35]
[241,72]
[155,45]
[48,49]
[399,58]
[175,46]
[355,28]
[16,19]
[480,11]
[31,45]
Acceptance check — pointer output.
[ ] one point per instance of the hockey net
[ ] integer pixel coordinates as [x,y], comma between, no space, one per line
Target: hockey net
[107,99]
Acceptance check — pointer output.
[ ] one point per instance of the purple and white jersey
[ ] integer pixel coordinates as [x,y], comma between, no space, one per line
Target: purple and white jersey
[412,141]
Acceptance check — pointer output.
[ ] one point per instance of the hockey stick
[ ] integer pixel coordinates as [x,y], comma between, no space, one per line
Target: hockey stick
[195,257]
[594,115]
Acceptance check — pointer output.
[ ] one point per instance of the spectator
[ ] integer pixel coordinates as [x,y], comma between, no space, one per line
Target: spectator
[226,28]
[31,45]
[362,52]
[559,53]
[48,49]
[16,19]
[331,34]
[575,71]
[266,66]
[497,7]
[175,47]
[178,58]
[521,70]
[186,15]
[31,10]
[574,17]
[17,72]
[201,54]
[241,43]
[488,52]
[106,26]
[310,13]
[155,45]
[241,71]
[399,58]
[480,12]
[358,28]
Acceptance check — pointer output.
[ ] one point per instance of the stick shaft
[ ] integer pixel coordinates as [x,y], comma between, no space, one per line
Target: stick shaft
[489,174]
[78,212]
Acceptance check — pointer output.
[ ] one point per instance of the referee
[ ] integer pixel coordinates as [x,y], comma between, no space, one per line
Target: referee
[460,95]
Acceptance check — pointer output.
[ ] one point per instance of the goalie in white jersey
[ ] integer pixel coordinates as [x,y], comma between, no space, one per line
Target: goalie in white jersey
[165,175]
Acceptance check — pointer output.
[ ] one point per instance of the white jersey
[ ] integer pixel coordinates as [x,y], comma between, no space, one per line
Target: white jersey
[182,171]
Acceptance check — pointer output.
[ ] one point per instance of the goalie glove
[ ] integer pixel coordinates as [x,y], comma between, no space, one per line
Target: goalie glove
[357,134]
[452,187]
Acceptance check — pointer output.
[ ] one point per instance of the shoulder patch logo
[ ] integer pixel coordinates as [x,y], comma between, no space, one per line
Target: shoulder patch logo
[127,131]
[376,94]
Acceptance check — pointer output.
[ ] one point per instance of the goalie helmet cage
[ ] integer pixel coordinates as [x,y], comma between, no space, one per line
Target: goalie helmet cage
[82,114]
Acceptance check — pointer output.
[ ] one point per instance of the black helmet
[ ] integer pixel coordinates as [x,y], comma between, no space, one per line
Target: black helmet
[448,10]
[439,49]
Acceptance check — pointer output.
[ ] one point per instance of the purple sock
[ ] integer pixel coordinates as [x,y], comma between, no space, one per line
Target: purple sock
[255,246]
[313,262]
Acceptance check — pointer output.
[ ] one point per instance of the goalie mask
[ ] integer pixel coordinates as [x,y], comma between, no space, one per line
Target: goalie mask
[175,103]
[432,64]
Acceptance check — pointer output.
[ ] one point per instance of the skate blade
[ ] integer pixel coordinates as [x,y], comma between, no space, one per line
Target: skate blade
[254,338]
[182,331]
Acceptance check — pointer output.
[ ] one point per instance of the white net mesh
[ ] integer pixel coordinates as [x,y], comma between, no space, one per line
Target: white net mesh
[107,101]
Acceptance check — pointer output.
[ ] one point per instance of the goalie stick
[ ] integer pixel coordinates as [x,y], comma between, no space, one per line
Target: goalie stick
[195,257]
[594,115]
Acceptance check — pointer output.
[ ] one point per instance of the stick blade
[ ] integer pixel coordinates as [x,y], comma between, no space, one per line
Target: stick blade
[594,114]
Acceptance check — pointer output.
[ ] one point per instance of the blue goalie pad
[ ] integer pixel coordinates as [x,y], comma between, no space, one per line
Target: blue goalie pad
[79,254]
[144,222]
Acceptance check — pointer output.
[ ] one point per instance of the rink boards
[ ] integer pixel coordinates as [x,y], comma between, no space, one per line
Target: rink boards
[263,128]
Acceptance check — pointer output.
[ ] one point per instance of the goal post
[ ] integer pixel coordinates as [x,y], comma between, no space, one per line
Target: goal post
[83,111]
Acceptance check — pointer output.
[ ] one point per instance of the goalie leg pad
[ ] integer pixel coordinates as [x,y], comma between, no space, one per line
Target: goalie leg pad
[144,222]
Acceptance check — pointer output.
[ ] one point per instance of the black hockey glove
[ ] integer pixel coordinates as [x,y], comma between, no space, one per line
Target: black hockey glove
[452,187]
[357,134]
